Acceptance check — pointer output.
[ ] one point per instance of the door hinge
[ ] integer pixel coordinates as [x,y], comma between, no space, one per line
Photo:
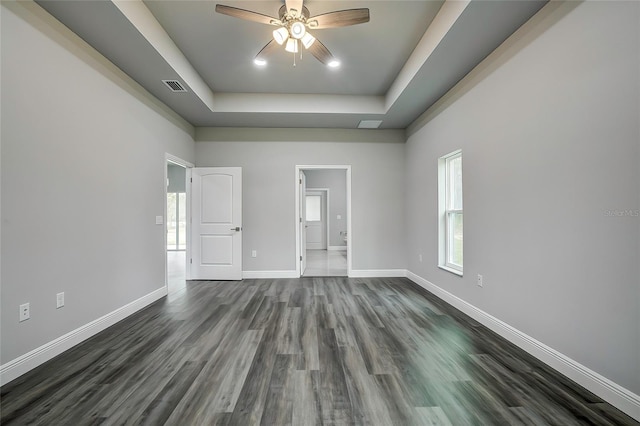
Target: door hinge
[300,181]
[191,179]
[191,261]
[300,258]
[300,220]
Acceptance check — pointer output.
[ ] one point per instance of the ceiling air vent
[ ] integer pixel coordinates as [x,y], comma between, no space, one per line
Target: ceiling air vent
[174,85]
[369,124]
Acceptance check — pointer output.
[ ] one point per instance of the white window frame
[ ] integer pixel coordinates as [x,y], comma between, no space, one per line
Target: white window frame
[445,231]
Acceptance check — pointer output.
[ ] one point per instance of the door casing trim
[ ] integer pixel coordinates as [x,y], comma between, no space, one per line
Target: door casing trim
[301,168]
[169,158]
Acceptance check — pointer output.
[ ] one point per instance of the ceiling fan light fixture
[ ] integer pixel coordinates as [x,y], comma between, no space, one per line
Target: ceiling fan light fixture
[292,46]
[334,63]
[308,40]
[280,35]
[260,62]
[297,30]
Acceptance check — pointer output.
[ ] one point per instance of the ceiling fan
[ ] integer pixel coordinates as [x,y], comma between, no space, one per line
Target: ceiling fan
[293,23]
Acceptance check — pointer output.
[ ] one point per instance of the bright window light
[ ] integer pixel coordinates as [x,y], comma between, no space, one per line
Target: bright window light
[450,212]
[313,208]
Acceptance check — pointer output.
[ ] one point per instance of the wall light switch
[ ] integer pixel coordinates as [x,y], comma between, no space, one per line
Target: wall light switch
[59,300]
[159,220]
[339,217]
[254,253]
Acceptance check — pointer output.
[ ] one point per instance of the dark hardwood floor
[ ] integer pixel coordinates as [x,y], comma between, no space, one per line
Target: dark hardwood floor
[309,351]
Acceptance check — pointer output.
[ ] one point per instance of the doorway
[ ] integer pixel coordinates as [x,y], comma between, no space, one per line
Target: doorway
[323,218]
[176,223]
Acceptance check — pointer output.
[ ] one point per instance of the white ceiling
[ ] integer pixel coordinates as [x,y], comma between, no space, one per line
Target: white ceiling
[393,67]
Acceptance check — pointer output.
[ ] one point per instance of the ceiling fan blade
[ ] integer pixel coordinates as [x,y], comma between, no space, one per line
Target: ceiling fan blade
[294,6]
[266,51]
[247,15]
[340,18]
[321,53]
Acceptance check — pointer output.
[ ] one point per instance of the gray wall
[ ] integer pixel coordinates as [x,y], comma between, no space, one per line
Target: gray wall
[548,126]
[82,181]
[268,158]
[336,182]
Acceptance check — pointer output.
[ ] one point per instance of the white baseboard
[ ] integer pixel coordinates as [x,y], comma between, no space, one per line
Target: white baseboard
[250,275]
[364,273]
[378,273]
[337,248]
[614,394]
[27,362]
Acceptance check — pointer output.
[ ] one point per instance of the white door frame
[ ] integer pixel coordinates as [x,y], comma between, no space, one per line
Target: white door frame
[168,158]
[299,168]
[325,212]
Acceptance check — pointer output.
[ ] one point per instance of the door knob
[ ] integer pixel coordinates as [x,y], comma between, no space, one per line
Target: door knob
[237,229]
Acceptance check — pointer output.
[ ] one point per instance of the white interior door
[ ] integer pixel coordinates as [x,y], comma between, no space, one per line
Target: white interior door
[216,223]
[316,206]
[303,224]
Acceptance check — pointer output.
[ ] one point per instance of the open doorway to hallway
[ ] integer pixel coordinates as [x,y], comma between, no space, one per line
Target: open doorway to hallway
[323,214]
[176,224]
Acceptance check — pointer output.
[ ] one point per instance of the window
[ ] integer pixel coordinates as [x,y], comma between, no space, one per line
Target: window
[176,221]
[450,212]
[313,208]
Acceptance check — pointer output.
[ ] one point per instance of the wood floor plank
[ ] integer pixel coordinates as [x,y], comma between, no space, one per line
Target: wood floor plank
[228,390]
[305,409]
[367,402]
[251,402]
[213,389]
[329,382]
[432,416]
[166,401]
[310,351]
[278,409]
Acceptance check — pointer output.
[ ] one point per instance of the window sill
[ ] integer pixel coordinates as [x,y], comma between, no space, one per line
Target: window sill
[453,271]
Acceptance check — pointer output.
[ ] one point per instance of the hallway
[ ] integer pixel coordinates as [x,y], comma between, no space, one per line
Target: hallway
[326,263]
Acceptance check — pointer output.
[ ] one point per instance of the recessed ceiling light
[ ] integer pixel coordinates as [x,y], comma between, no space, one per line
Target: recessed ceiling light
[369,124]
[334,63]
[260,62]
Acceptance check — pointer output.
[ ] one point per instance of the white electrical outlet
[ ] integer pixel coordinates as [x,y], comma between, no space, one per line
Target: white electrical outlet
[59,300]
[254,253]
[25,312]
[479,280]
